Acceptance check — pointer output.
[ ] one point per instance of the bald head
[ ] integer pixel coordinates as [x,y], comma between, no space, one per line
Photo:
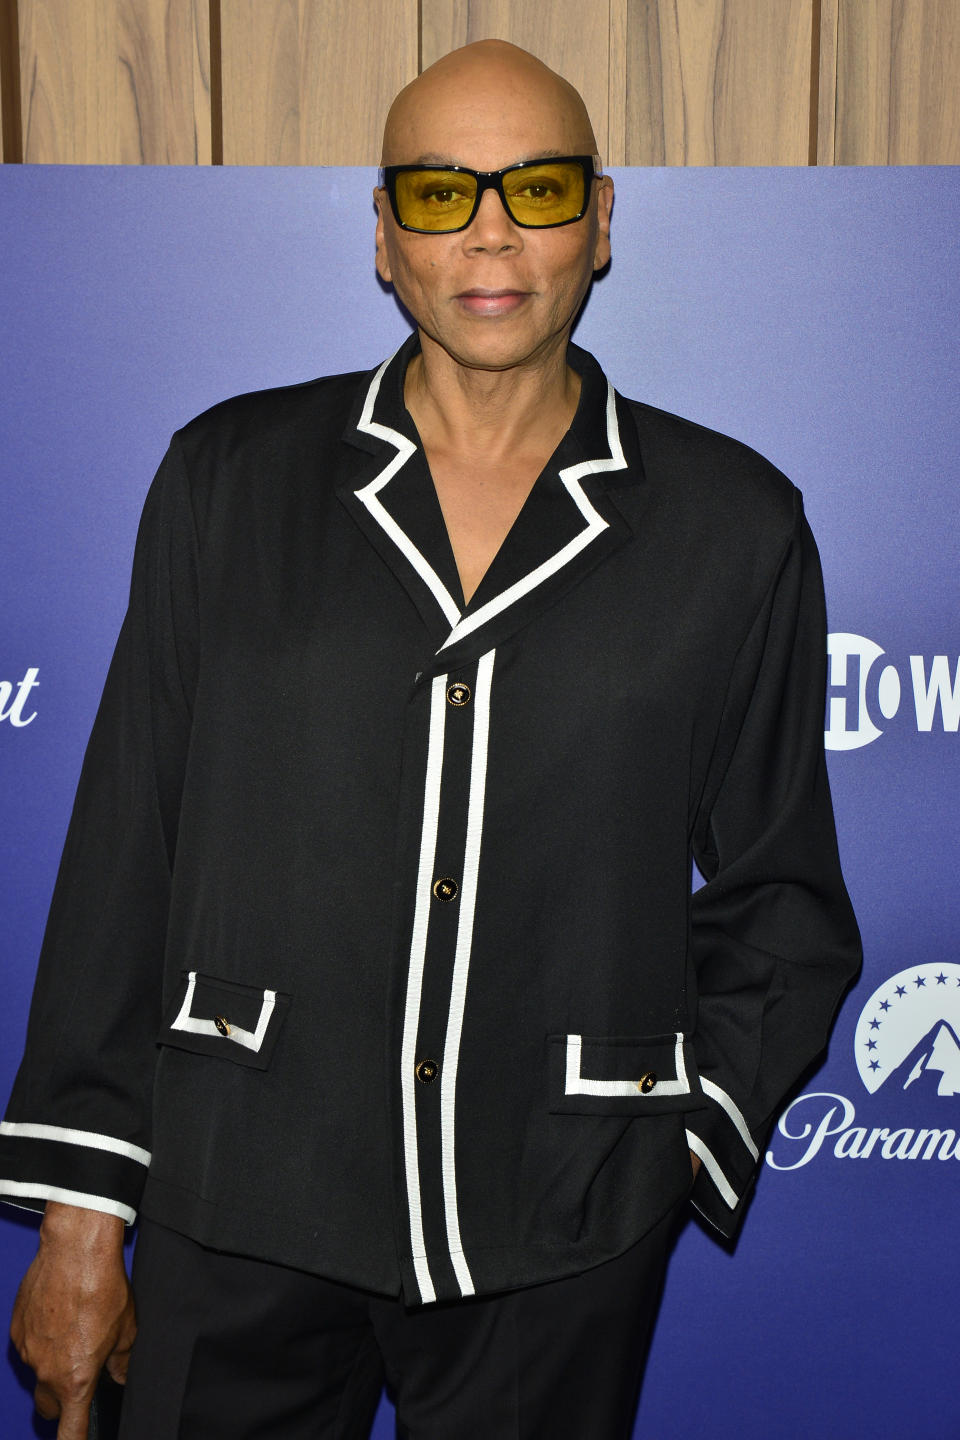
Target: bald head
[487,105]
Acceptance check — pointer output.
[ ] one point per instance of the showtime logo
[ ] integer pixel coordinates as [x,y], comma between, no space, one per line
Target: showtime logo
[857,691]
[13,699]
[907,1053]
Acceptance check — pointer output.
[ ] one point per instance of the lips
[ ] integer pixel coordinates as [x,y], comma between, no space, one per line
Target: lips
[480,301]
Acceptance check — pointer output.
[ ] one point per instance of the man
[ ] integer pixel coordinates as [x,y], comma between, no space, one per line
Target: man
[396,1021]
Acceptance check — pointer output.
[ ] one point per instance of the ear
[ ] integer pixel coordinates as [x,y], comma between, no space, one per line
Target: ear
[604,211]
[382,263]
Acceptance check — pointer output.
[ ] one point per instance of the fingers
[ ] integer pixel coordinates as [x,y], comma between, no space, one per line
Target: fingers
[74,1414]
[46,1403]
[74,1421]
[117,1366]
[74,1312]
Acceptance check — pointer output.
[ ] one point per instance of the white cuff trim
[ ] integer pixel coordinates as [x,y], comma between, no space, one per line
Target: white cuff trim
[68,1197]
[724,1101]
[724,1188]
[65,1136]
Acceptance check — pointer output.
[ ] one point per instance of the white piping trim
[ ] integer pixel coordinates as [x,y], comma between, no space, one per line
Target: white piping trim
[65,1136]
[27,1190]
[723,1100]
[418,950]
[249,1039]
[576,1084]
[726,1190]
[461,967]
[595,526]
[369,493]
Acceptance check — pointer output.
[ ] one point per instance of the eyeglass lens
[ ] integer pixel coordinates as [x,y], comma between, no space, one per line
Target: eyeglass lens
[537,195]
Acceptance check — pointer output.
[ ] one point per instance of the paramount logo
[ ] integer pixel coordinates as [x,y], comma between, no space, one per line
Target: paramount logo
[855,1142]
[907,1047]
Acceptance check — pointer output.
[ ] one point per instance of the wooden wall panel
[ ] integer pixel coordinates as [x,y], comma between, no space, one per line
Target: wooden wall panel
[826,98]
[898,82]
[571,36]
[11,127]
[308,82]
[4,94]
[677,82]
[718,82]
[107,81]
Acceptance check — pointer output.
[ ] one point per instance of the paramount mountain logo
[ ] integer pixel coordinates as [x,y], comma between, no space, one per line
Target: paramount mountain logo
[907,1032]
[907,1053]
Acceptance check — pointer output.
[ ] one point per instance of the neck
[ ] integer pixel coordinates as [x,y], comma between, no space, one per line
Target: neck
[492,413]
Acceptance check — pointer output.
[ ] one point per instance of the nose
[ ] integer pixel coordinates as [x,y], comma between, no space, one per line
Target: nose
[492,228]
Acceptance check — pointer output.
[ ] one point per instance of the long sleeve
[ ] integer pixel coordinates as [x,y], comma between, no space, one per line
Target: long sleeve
[774,940]
[77,1128]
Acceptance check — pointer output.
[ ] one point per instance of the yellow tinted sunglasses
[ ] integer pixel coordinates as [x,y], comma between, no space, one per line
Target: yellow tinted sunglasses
[441,199]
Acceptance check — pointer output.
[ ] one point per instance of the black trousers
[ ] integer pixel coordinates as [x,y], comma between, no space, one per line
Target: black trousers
[230,1348]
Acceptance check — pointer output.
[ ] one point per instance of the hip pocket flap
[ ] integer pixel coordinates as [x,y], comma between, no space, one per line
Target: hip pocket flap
[221,1018]
[622,1075]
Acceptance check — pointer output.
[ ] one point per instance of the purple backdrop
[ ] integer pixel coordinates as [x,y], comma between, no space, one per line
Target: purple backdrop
[813,313]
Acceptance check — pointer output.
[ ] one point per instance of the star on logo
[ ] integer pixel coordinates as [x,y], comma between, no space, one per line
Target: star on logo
[874,1064]
[871,1044]
[902,989]
[919,982]
[884,1004]
[941,978]
[874,1024]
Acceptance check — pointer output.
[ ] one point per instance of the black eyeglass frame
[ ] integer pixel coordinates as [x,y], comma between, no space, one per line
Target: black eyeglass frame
[491,180]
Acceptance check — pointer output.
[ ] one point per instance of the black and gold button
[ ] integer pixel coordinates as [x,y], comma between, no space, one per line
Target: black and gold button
[646,1082]
[446,888]
[221,1024]
[458,693]
[426,1071]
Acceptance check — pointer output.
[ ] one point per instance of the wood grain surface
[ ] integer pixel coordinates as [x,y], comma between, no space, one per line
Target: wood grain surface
[571,36]
[11,128]
[667,82]
[308,82]
[718,82]
[898,82]
[115,81]
[826,98]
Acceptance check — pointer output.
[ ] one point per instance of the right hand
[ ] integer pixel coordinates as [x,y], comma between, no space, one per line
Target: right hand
[74,1314]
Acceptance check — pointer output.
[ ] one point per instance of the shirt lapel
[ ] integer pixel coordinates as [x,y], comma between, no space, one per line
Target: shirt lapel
[569,523]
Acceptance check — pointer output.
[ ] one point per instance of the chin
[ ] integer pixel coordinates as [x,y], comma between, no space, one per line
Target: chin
[494,348]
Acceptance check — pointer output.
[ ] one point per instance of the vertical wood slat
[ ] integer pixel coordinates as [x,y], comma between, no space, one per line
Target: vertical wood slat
[570,36]
[898,82]
[616,152]
[11,129]
[718,82]
[827,98]
[115,81]
[308,82]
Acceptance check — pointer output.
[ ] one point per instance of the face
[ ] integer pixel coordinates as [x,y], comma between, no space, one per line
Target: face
[496,295]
